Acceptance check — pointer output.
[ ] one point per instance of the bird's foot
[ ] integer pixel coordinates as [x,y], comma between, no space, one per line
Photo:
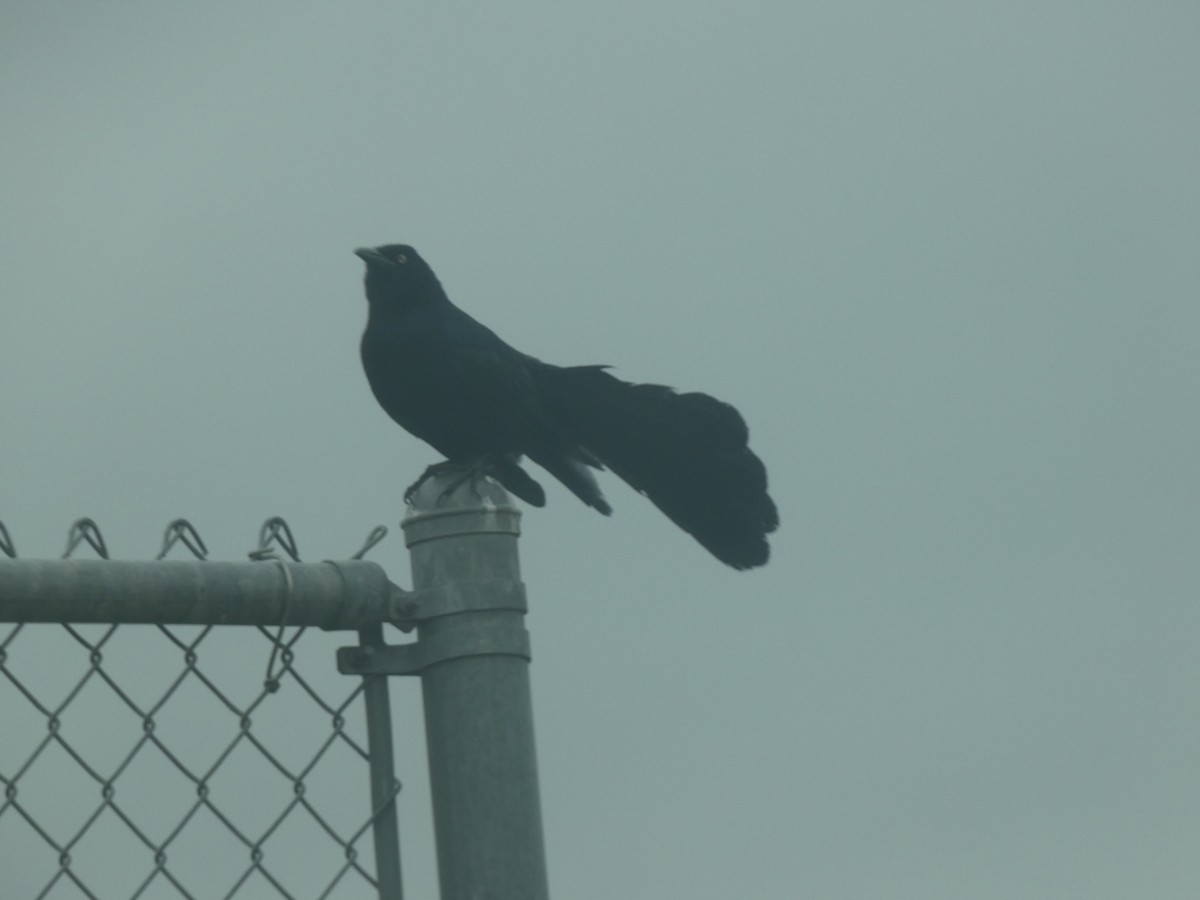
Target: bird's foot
[465,472]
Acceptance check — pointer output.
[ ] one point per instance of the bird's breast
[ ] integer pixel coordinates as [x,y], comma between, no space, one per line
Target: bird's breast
[420,390]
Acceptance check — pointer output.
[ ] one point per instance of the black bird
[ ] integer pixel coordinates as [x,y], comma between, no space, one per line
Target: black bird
[482,404]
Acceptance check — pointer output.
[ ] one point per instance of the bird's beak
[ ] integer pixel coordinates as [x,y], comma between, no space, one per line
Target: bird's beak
[371,256]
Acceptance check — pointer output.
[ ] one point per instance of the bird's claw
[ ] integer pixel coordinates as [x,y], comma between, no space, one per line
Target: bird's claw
[470,476]
[469,472]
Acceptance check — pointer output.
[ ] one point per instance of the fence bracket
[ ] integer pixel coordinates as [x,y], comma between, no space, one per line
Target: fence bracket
[472,619]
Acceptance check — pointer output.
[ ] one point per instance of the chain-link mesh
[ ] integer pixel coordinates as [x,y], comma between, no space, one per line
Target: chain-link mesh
[151,761]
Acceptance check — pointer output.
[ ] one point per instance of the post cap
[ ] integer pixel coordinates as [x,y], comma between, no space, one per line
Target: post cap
[438,509]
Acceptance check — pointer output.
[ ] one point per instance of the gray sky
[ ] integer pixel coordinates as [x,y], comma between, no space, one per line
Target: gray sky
[942,256]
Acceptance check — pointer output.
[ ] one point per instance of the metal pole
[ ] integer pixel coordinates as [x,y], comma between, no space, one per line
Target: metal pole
[384,788]
[475,682]
[348,594]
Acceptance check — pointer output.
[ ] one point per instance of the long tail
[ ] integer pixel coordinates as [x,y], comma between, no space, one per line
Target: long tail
[687,452]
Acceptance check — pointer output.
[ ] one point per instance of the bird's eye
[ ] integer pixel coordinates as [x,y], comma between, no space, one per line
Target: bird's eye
[401,258]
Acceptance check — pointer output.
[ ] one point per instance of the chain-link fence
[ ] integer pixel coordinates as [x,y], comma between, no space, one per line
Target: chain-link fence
[207,753]
[190,761]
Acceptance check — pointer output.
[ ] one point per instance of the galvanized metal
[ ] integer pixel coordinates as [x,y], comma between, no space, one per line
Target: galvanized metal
[384,787]
[475,680]
[330,595]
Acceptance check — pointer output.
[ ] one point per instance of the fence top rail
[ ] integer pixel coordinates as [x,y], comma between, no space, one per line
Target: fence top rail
[332,595]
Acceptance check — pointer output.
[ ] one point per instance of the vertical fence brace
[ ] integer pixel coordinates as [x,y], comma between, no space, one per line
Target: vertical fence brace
[384,786]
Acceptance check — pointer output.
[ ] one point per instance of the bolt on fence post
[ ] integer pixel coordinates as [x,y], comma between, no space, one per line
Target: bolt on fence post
[475,684]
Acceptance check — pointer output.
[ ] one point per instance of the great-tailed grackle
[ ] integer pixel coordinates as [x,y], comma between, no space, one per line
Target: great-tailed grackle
[482,404]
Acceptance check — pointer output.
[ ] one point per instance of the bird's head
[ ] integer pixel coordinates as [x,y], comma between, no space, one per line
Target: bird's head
[397,276]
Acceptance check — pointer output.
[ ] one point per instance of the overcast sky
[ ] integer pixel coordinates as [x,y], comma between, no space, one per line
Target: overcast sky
[942,256]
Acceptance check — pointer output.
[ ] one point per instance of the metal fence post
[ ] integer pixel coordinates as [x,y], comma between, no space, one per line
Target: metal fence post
[475,683]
